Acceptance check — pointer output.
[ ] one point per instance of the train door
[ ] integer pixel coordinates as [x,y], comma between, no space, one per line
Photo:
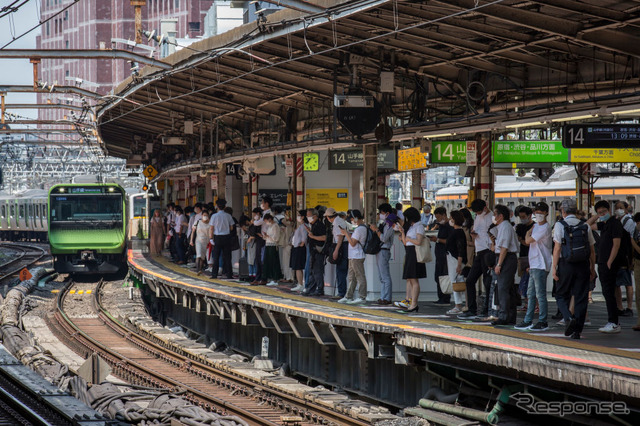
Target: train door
[13,221]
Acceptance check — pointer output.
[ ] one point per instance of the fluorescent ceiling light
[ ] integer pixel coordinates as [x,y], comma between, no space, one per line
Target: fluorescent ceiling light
[437,135]
[574,117]
[627,111]
[524,124]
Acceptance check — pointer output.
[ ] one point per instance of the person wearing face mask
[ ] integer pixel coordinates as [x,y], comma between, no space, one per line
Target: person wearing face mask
[385,233]
[156,234]
[540,245]
[456,247]
[340,252]
[480,266]
[610,259]
[623,279]
[200,239]
[316,237]
[573,267]
[525,225]
[299,250]
[356,255]
[255,246]
[258,220]
[506,250]
[444,230]
[426,218]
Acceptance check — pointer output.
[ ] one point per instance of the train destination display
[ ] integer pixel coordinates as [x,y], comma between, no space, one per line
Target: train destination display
[601,136]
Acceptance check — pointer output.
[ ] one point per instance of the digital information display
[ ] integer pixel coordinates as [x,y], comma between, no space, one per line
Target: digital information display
[609,136]
[352,159]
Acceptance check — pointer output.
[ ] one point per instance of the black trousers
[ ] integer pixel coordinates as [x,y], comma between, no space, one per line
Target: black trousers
[507,292]
[479,268]
[574,280]
[441,269]
[259,259]
[222,245]
[608,281]
[316,274]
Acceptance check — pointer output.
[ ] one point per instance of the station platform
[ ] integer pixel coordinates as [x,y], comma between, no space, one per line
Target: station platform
[606,367]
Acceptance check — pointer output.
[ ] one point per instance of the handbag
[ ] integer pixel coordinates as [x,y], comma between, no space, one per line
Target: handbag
[459,285]
[423,251]
[445,284]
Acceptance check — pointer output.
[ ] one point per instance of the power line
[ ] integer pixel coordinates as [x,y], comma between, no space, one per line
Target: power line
[6,10]
[39,24]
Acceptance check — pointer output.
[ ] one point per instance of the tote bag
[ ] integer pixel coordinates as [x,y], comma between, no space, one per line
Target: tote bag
[423,251]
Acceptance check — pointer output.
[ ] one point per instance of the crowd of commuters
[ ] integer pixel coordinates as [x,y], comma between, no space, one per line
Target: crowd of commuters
[479,252]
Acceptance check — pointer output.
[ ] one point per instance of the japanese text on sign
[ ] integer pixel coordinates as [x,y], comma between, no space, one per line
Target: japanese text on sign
[448,152]
[411,159]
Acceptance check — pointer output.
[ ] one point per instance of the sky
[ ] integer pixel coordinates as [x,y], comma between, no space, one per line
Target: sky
[19,71]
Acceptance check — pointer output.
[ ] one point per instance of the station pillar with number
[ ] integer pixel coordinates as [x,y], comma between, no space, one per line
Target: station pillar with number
[370,179]
[222,184]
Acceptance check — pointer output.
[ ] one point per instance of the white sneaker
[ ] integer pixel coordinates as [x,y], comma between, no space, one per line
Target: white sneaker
[272,284]
[209,269]
[356,301]
[610,328]
[298,288]
[454,311]
[344,300]
[588,322]
[561,322]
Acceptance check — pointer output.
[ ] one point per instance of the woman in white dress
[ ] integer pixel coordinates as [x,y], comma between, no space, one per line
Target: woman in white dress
[201,236]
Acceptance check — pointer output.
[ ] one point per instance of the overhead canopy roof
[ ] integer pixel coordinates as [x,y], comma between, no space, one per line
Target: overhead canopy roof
[458,65]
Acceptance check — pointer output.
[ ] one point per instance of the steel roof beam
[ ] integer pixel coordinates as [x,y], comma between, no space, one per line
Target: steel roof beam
[299,5]
[585,8]
[56,89]
[81,54]
[43,106]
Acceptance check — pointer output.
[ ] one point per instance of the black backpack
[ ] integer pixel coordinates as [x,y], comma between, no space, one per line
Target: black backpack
[575,242]
[372,245]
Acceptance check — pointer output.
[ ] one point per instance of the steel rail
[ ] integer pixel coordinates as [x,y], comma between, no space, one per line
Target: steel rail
[296,406]
[199,367]
[153,377]
[24,254]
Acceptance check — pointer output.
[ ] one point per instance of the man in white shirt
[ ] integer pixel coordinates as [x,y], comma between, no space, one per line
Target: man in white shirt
[540,260]
[356,275]
[480,266]
[221,226]
[506,249]
[340,252]
[573,277]
[179,231]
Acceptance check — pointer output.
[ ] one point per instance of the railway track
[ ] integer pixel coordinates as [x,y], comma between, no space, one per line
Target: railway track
[144,362]
[26,255]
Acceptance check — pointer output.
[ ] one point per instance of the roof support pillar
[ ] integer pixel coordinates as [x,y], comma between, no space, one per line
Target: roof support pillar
[484,176]
[370,179]
[583,187]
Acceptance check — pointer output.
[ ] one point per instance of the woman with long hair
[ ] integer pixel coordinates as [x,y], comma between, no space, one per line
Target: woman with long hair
[200,240]
[412,234]
[156,237]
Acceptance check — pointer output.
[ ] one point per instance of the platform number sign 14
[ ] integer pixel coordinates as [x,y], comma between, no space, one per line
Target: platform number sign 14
[576,136]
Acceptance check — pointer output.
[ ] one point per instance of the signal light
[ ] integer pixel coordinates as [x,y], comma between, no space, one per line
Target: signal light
[145,187]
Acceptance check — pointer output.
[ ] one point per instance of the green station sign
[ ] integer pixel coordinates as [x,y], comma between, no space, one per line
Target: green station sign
[448,152]
[529,152]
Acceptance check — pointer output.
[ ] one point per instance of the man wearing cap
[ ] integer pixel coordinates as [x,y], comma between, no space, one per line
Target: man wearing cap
[221,225]
[572,278]
[340,252]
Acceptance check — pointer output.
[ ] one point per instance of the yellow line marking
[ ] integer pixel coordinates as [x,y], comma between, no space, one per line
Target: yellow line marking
[72,292]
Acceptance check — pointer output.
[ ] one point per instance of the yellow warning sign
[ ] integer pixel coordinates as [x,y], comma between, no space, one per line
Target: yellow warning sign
[25,274]
[411,159]
[150,172]
[336,198]
[620,155]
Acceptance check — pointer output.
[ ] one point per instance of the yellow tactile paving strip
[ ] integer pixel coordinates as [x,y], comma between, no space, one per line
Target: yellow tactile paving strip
[164,263]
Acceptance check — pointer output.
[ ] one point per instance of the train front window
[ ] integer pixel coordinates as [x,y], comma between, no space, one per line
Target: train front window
[72,208]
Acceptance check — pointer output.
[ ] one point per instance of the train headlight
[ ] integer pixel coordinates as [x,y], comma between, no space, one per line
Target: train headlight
[111,189]
[60,189]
